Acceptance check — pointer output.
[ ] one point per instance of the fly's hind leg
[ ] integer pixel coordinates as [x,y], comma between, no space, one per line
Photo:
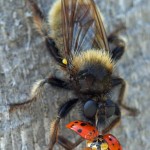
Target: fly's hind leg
[113,38]
[38,18]
[42,27]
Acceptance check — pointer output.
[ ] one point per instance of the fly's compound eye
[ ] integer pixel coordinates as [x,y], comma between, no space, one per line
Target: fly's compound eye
[90,108]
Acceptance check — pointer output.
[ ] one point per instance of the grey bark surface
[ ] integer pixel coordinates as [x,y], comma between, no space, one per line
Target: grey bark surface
[24,59]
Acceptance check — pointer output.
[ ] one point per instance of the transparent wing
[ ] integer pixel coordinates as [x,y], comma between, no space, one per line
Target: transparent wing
[82,27]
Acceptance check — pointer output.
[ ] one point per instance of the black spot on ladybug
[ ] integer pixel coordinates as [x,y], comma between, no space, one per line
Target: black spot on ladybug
[88,123]
[79,130]
[94,131]
[72,125]
[83,124]
[110,139]
[113,144]
[76,122]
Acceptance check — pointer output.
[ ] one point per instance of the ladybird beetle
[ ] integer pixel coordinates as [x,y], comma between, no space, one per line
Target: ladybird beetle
[112,141]
[84,129]
[98,144]
[104,142]
[95,141]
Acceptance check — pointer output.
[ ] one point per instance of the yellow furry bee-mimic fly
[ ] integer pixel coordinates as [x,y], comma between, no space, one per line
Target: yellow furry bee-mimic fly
[75,37]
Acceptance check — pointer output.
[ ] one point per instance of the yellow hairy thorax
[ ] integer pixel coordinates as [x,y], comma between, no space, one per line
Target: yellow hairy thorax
[93,56]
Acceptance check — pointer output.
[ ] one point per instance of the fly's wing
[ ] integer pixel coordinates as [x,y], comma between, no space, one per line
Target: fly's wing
[82,27]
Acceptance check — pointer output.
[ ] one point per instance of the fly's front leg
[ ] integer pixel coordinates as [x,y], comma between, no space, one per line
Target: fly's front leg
[112,125]
[38,18]
[63,111]
[115,121]
[122,83]
[67,144]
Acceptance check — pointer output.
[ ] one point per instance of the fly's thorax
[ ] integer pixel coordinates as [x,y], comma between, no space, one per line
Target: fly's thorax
[93,57]
[93,69]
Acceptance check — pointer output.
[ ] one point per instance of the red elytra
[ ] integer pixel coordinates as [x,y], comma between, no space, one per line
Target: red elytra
[84,129]
[112,142]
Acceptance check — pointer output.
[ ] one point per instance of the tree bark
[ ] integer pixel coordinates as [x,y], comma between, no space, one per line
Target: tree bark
[24,59]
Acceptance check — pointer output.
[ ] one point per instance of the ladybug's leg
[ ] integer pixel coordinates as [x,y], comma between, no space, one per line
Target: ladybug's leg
[113,38]
[37,90]
[63,110]
[67,144]
[119,81]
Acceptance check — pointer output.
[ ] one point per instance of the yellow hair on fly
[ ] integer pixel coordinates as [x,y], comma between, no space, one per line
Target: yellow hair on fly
[93,56]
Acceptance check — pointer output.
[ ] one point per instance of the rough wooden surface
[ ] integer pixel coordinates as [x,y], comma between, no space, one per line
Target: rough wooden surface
[24,59]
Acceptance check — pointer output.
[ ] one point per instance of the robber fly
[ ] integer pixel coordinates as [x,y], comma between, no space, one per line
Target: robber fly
[75,37]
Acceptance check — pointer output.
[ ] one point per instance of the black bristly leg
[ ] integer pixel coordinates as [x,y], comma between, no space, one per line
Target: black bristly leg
[122,83]
[64,109]
[118,51]
[112,125]
[42,27]
[67,144]
[53,81]
[53,50]
[38,18]
[115,121]
[56,82]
